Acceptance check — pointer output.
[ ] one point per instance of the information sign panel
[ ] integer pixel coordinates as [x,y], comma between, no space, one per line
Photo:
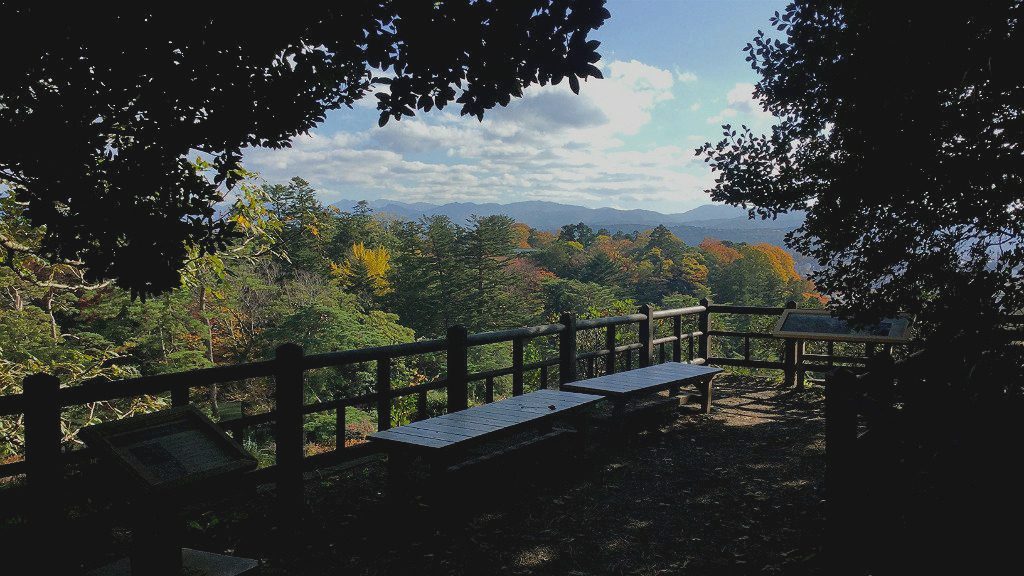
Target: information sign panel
[170,448]
[822,325]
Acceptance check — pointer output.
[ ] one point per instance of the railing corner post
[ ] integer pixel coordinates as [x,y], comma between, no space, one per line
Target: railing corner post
[457,361]
[43,453]
[289,438]
[646,336]
[567,349]
[704,326]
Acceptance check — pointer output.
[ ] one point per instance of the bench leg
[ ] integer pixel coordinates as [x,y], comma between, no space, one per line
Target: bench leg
[705,393]
[619,417]
[442,489]
[399,471]
[439,464]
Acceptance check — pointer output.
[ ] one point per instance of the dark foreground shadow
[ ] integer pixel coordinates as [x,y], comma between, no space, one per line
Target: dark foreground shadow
[736,492]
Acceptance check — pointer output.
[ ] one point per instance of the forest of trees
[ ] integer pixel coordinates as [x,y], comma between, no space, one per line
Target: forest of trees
[332,279]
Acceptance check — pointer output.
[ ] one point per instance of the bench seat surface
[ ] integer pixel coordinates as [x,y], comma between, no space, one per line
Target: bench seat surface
[477,422]
[643,380]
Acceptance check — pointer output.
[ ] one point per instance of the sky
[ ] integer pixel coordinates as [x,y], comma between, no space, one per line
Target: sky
[674,72]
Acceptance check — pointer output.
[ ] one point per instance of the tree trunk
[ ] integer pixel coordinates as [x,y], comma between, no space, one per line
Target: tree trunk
[209,346]
[54,332]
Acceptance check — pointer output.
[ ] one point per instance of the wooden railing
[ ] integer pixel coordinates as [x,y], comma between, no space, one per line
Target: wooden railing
[688,340]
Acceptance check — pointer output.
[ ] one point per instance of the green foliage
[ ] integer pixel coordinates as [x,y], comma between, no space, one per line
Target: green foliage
[445,274]
[672,301]
[584,298]
[579,233]
[321,427]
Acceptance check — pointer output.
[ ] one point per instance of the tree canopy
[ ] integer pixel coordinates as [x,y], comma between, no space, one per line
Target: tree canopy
[901,132]
[101,109]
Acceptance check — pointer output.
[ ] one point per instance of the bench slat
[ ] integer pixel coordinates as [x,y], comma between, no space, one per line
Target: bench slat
[483,421]
[645,380]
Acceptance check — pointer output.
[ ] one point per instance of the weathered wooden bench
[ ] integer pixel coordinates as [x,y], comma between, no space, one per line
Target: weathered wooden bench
[622,387]
[444,441]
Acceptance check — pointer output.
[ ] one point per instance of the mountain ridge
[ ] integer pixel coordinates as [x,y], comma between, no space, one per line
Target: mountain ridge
[551,216]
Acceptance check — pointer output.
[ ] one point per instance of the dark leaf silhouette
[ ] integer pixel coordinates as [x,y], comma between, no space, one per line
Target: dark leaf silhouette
[101,110]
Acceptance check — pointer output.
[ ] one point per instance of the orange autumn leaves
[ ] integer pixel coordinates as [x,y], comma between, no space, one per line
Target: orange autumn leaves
[781,262]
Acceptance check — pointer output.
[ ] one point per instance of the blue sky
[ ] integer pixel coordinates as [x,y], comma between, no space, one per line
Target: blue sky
[674,72]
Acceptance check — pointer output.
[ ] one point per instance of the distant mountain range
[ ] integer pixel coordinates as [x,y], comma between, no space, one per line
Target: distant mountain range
[710,220]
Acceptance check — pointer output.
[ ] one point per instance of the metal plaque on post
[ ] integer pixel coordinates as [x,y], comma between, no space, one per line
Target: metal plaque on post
[822,325]
[165,454]
[169,449]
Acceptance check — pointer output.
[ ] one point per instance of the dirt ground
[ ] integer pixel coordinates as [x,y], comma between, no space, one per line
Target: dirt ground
[735,492]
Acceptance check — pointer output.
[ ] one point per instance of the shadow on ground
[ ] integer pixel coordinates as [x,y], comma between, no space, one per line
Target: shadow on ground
[736,492]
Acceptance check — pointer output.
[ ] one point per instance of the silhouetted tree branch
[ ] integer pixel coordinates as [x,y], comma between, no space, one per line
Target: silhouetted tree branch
[901,132]
[100,108]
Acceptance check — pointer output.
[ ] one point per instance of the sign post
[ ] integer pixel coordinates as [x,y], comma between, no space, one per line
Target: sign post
[168,456]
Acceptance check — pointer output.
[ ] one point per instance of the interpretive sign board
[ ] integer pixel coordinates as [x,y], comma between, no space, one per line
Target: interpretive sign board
[169,449]
[822,325]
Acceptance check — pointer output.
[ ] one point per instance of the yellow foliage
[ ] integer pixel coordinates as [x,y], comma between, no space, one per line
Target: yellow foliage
[522,232]
[693,270]
[365,265]
[241,221]
[782,262]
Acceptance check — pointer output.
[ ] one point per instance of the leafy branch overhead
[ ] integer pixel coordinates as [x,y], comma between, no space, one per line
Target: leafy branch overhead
[101,110]
[901,132]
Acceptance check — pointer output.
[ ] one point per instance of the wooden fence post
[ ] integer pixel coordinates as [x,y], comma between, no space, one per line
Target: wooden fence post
[383,393]
[609,344]
[677,331]
[180,395]
[789,356]
[801,374]
[517,367]
[42,458]
[703,326]
[289,437]
[567,349]
[646,336]
[840,465]
[339,427]
[458,369]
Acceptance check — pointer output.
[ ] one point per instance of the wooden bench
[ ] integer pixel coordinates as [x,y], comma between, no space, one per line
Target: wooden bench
[440,440]
[622,387]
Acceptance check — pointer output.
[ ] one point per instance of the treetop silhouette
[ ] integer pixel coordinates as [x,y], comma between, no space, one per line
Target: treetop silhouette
[900,132]
[101,109]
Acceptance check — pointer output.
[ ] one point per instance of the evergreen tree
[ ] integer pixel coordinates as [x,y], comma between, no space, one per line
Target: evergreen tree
[486,247]
[308,228]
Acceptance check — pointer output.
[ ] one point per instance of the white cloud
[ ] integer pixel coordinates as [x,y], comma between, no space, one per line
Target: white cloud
[685,76]
[550,144]
[741,104]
